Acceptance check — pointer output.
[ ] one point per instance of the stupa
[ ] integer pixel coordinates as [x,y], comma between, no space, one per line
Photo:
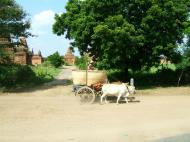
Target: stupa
[69,57]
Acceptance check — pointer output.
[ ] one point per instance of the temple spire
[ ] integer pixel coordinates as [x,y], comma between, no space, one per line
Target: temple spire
[39,53]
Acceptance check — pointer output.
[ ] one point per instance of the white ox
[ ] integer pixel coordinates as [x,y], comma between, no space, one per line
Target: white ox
[118,90]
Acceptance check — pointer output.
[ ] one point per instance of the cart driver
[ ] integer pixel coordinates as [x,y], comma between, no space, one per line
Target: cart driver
[90,65]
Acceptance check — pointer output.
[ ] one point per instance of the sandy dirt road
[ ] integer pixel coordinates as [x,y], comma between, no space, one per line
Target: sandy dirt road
[53,114]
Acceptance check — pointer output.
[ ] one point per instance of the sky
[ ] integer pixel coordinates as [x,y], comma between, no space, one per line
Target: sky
[41,14]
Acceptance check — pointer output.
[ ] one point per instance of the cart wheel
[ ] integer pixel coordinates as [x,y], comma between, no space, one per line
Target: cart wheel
[86,95]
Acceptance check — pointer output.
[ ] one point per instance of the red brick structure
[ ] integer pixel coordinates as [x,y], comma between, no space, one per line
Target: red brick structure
[6,50]
[19,54]
[37,59]
[5,41]
[69,58]
[21,58]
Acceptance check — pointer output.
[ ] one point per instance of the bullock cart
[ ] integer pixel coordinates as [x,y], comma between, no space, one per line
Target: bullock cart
[87,84]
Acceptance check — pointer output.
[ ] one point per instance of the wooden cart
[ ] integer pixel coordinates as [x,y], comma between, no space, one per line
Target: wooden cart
[87,84]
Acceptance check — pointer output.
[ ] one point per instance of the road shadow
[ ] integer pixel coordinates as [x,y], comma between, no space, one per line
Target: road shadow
[178,138]
[45,86]
[159,86]
[113,99]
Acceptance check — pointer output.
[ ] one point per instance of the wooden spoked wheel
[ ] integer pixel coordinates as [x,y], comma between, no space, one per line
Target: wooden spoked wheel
[86,95]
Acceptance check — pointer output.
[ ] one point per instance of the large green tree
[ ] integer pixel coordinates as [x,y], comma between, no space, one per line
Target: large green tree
[13,20]
[124,34]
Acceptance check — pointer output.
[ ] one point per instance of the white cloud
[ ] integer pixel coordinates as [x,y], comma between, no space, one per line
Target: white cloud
[44,18]
[45,40]
[42,22]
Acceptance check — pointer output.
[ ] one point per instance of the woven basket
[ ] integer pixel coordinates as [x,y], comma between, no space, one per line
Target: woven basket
[79,77]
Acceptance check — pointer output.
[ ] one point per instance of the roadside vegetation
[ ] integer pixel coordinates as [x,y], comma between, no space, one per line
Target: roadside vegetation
[124,41]
[158,75]
[124,38]
[14,76]
[81,62]
[127,42]
[55,60]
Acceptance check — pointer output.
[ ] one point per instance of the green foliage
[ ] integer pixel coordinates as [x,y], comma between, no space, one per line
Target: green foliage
[81,62]
[185,62]
[5,56]
[115,75]
[13,20]
[184,65]
[45,71]
[166,75]
[155,69]
[55,59]
[18,76]
[163,77]
[125,34]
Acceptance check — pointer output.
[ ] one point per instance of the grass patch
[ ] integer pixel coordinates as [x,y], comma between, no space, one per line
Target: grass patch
[18,76]
[45,72]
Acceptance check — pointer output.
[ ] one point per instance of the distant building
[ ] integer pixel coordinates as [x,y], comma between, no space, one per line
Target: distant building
[19,54]
[37,59]
[69,57]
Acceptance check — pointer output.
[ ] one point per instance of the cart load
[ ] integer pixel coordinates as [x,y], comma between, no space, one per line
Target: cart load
[83,77]
[87,84]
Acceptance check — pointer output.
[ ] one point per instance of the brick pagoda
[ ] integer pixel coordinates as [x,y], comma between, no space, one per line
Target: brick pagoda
[69,57]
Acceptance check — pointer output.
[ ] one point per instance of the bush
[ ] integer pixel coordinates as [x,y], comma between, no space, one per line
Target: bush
[167,76]
[16,75]
[19,76]
[55,59]
[81,62]
[45,71]
[184,67]
[116,75]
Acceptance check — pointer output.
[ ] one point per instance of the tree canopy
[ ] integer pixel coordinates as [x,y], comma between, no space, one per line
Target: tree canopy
[125,34]
[13,20]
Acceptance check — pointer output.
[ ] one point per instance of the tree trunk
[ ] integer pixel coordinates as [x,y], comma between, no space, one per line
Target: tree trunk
[125,77]
[179,79]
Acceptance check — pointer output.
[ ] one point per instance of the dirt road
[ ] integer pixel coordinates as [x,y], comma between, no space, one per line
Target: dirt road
[52,114]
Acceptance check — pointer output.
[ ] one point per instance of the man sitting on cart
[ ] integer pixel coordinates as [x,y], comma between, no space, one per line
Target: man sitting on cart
[90,65]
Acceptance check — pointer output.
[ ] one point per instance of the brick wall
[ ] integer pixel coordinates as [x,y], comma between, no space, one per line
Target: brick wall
[36,60]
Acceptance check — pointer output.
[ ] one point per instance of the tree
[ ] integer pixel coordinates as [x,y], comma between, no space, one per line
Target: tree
[55,59]
[124,34]
[81,62]
[184,65]
[13,20]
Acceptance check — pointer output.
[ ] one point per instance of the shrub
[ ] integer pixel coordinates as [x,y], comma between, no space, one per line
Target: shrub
[184,66]
[55,59]
[116,75]
[45,72]
[16,75]
[19,76]
[81,62]
[167,76]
